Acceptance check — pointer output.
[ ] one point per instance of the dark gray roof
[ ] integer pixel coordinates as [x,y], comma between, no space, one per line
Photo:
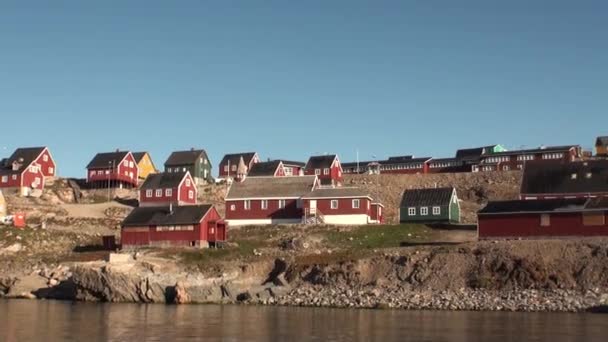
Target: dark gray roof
[337,192]
[533,206]
[556,177]
[320,162]
[404,161]
[189,157]
[400,158]
[138,156]
[163,180]
[601,141]
[25,155]
[264,169]
[271,187]
[292,163]
[107,159]
[475,152]
[234,158]
[439,160]
[160,216]
[426,197]
[362,164]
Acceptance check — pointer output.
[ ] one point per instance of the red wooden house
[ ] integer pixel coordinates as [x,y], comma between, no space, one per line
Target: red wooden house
[230,164]
[276,168]
[341,206]
[548,218]
[328,168]
[560,179]
[113,169]
[268,200]
[191,225]
[161,189]
[392,165]
[515,160]
[26,169]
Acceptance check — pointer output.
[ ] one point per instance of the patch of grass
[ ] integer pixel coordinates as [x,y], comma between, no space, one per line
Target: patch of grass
[202,257]
[373,237]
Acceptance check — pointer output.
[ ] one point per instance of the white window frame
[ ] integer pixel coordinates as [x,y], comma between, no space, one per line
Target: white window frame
[317,172]
[282,204]
[264,204]
[149,193]
[232,207]
[4,179]
[424,211]
[358,203]
[233,168]
[247,204]
[188,182]
[131,165]
[190,194]
[334,204]
[326,171]
[45,158]
[411,211]
[436,210]
[168,192]
[51,170]
[226,168]
[158,193]
[14,177]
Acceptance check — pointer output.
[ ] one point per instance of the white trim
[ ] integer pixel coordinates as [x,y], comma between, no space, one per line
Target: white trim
[242,222]
[261,198]
[333,197]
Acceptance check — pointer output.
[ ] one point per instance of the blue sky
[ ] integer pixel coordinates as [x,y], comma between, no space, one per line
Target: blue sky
[293,78]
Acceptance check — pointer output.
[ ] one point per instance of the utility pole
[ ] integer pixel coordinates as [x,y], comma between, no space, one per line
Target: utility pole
[109,175]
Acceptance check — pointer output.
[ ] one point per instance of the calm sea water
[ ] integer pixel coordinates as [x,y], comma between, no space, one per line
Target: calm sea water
[22,320]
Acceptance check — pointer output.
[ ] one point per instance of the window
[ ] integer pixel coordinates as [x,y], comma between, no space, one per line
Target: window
[424,211]
[264,204]
[573,176]
[356,204]
[159,193]
[545,220]
[4,179]
[14,177]
[205,161]
[233,168]
[334,204]
[100,172]
[131,164]
[299,203]
[51,170]
[168,192]
[92,173]
[45,158]
[588,175]
[505,168]
[149,193]
[225,168]
[411,211]
[232,207]
[247,204]
[281,204]
[187,181]
[436,210]
[593,219]
[131,174]
[288,171]
[326,171]
[191,194]
[183,169]
[126,173]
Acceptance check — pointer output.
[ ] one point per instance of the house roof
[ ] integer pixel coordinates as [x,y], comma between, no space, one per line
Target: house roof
[292,163]
[340,192]
[107,159]
[362,164]
[404,161]
[445,160]
[234,158]
[547,149]
[264,169]
[475,152]
[25,155]
[163,180]
[601,141]
[138,156]
[558,177]
[400,158]
[271,187]
[147,216]
[426,197]
[320,162]
[534,206]
[188,157]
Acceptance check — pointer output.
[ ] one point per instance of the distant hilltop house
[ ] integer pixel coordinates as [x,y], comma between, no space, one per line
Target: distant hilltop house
[276,168]
[113,169]
[167,226]
[553,179]
[237,165]
[194,161]
[163,189]
[432,205]
[145,164]
[26,169]
[601,146]
[544,218]
[515,160]
[298,199]
[327,168]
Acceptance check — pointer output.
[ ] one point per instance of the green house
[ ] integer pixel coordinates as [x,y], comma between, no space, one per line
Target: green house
[434,205]
[195,161]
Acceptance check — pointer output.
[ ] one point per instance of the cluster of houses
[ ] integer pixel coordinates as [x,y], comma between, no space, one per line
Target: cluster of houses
[563,193]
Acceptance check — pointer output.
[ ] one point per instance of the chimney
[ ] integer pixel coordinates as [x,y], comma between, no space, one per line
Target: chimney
[117,150]
[191,148]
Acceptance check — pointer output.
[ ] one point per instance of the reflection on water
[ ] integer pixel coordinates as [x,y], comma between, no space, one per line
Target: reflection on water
[22,320]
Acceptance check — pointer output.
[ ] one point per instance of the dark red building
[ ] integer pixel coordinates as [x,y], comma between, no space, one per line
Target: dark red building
[168,188]
[516,159]
[229,166]
[341,206]
[575,217]
[327,168]
[113,169]
[26,169]
[191,225]
[560,179]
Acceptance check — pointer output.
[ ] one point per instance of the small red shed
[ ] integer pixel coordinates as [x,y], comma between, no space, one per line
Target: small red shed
[575,217]
[188,226]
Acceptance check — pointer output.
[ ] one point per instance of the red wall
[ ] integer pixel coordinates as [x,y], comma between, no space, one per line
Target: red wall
[344,206]
[118,175]
[377,213]
[29,177]
[528,225]
[10,183]
[50,163]
[335,173]
[256,212]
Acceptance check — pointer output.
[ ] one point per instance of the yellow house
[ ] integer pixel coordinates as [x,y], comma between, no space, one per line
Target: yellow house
[145,164]
[601,146]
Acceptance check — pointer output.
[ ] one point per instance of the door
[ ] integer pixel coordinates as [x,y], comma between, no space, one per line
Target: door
[211,231]
[313,207]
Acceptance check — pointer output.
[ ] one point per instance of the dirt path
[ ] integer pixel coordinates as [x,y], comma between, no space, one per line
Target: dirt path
[97,210]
